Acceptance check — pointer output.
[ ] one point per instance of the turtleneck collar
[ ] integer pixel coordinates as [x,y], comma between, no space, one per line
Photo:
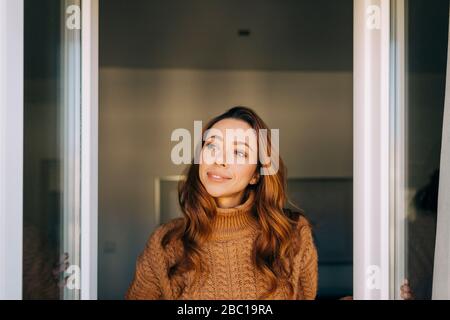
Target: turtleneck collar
[235,222]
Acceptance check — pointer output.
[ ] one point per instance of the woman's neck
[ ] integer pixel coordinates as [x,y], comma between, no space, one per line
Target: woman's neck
[235,222]
[230,201]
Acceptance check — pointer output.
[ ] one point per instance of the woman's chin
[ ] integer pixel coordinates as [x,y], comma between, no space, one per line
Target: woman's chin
[216,193]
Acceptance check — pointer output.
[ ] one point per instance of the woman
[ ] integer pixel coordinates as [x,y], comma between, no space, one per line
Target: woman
[235,239]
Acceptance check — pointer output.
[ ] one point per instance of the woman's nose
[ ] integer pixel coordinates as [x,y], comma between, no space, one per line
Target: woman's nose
[220,158]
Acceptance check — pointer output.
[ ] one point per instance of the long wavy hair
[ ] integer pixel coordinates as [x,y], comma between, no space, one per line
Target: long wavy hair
[276,243]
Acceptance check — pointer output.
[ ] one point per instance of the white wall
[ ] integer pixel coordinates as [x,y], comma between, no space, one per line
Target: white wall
[140,108]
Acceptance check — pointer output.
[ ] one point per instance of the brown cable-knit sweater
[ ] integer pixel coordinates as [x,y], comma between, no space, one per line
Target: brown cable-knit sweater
[232,274]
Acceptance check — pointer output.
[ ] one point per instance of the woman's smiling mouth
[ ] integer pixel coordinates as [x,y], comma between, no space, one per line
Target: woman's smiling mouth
[214,176]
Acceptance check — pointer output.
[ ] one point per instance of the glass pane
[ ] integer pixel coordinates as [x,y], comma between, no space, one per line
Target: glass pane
[329,203]
[425,45]
[51,237]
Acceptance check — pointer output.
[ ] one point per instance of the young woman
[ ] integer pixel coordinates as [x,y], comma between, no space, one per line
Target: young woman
[235,239]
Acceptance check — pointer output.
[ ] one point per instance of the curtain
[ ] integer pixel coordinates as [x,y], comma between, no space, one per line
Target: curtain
[441,273]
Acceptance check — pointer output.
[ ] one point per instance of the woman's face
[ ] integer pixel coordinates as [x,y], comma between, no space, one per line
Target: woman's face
[228,161]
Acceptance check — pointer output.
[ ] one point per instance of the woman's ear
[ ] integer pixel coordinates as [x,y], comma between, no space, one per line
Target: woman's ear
[255,178]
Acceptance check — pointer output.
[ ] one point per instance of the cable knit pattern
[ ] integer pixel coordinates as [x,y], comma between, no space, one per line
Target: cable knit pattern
[230,273]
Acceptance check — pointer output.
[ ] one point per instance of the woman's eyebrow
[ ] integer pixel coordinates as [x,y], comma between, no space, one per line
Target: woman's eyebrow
[214,137]
[235,142]
[245,143]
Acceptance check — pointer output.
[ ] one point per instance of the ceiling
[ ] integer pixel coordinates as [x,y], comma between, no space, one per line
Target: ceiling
[283,34]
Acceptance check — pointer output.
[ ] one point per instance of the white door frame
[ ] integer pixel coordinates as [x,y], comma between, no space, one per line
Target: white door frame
[89,148]
[11,147]
[371,190]
[371,148]
[399,147]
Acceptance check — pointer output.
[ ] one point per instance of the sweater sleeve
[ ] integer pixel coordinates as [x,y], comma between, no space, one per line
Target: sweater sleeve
[146,284]
[308,277]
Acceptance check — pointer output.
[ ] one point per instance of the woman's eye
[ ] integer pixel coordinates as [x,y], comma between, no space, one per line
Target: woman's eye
[241,154]
[211,146]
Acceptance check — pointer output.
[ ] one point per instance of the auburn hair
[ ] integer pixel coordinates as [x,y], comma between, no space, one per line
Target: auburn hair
[278,239]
